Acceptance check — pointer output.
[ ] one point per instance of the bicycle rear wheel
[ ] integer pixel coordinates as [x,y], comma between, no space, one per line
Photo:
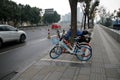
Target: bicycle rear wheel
[84,52]
[84,43]
[55,52]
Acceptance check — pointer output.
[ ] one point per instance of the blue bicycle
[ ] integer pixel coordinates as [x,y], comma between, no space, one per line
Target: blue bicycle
[82,51]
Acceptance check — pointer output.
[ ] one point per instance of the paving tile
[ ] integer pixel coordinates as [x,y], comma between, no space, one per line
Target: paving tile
[65,79]
[98,65]
[76,74]
[106,59]
[112,73]
[48,75]
[98,70]
[44,73]
[38,77]
[55,76]
[83,77]
[118,70]
[69,73]
[112,66]
[98,60]
[96,76]
[29,73]
[42,63]
[112,79]
[60,69]
[80,65]
[85,71]
[68,57]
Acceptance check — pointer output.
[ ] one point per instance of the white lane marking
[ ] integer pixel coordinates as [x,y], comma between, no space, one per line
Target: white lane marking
[67,61]
[47,58]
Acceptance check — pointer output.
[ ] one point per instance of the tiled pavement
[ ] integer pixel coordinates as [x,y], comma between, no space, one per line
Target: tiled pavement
[104,65]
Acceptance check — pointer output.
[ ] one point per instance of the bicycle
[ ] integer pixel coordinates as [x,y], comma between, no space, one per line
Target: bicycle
[82,51]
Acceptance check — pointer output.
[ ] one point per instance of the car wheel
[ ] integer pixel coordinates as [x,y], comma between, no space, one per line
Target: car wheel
[22,38]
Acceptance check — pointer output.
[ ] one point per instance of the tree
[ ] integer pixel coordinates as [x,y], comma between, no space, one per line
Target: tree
[108,22]
[13,12]
[10,11]
[102,13]
[93,10]
[87,11]
[105,17]
[4,13]
[51,18]
[73,7]
[118,13]
[34,16]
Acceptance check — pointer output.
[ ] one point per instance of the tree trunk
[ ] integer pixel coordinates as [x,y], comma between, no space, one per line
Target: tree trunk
[73,6]
[84,21]
[82,25]
[92,22]
[88,22]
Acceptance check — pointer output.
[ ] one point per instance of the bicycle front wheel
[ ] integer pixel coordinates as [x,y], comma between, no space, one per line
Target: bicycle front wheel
[84,52]
[55,52]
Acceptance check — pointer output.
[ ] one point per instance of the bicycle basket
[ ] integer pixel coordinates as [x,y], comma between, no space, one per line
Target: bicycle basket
[54,40]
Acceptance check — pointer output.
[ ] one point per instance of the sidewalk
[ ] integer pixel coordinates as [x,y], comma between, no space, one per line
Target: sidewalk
[102,66]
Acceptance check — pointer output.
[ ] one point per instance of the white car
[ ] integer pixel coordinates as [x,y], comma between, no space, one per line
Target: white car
[9,33]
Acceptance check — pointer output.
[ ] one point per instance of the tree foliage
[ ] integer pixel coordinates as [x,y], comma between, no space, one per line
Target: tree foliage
[93,10]
[89,11]
[18,13]
[102,13]
[105,17]
[118,13]
[51,18]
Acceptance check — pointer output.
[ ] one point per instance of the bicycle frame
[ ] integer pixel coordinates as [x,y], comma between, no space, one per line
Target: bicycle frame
[67,48]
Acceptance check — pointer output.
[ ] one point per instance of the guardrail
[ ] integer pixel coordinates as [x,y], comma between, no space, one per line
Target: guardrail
[115,34]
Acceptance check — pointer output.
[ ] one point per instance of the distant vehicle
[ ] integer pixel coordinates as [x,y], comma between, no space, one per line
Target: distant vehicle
[10,33]
[116,24]
[55,26]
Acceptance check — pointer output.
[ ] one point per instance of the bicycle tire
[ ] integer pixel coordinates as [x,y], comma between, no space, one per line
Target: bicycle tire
[55,52]
[84,52]
[85,43]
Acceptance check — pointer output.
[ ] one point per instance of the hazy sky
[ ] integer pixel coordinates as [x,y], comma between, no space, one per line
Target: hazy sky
[62,6]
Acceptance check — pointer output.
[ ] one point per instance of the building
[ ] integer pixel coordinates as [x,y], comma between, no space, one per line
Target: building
[67,17]
[49,11]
